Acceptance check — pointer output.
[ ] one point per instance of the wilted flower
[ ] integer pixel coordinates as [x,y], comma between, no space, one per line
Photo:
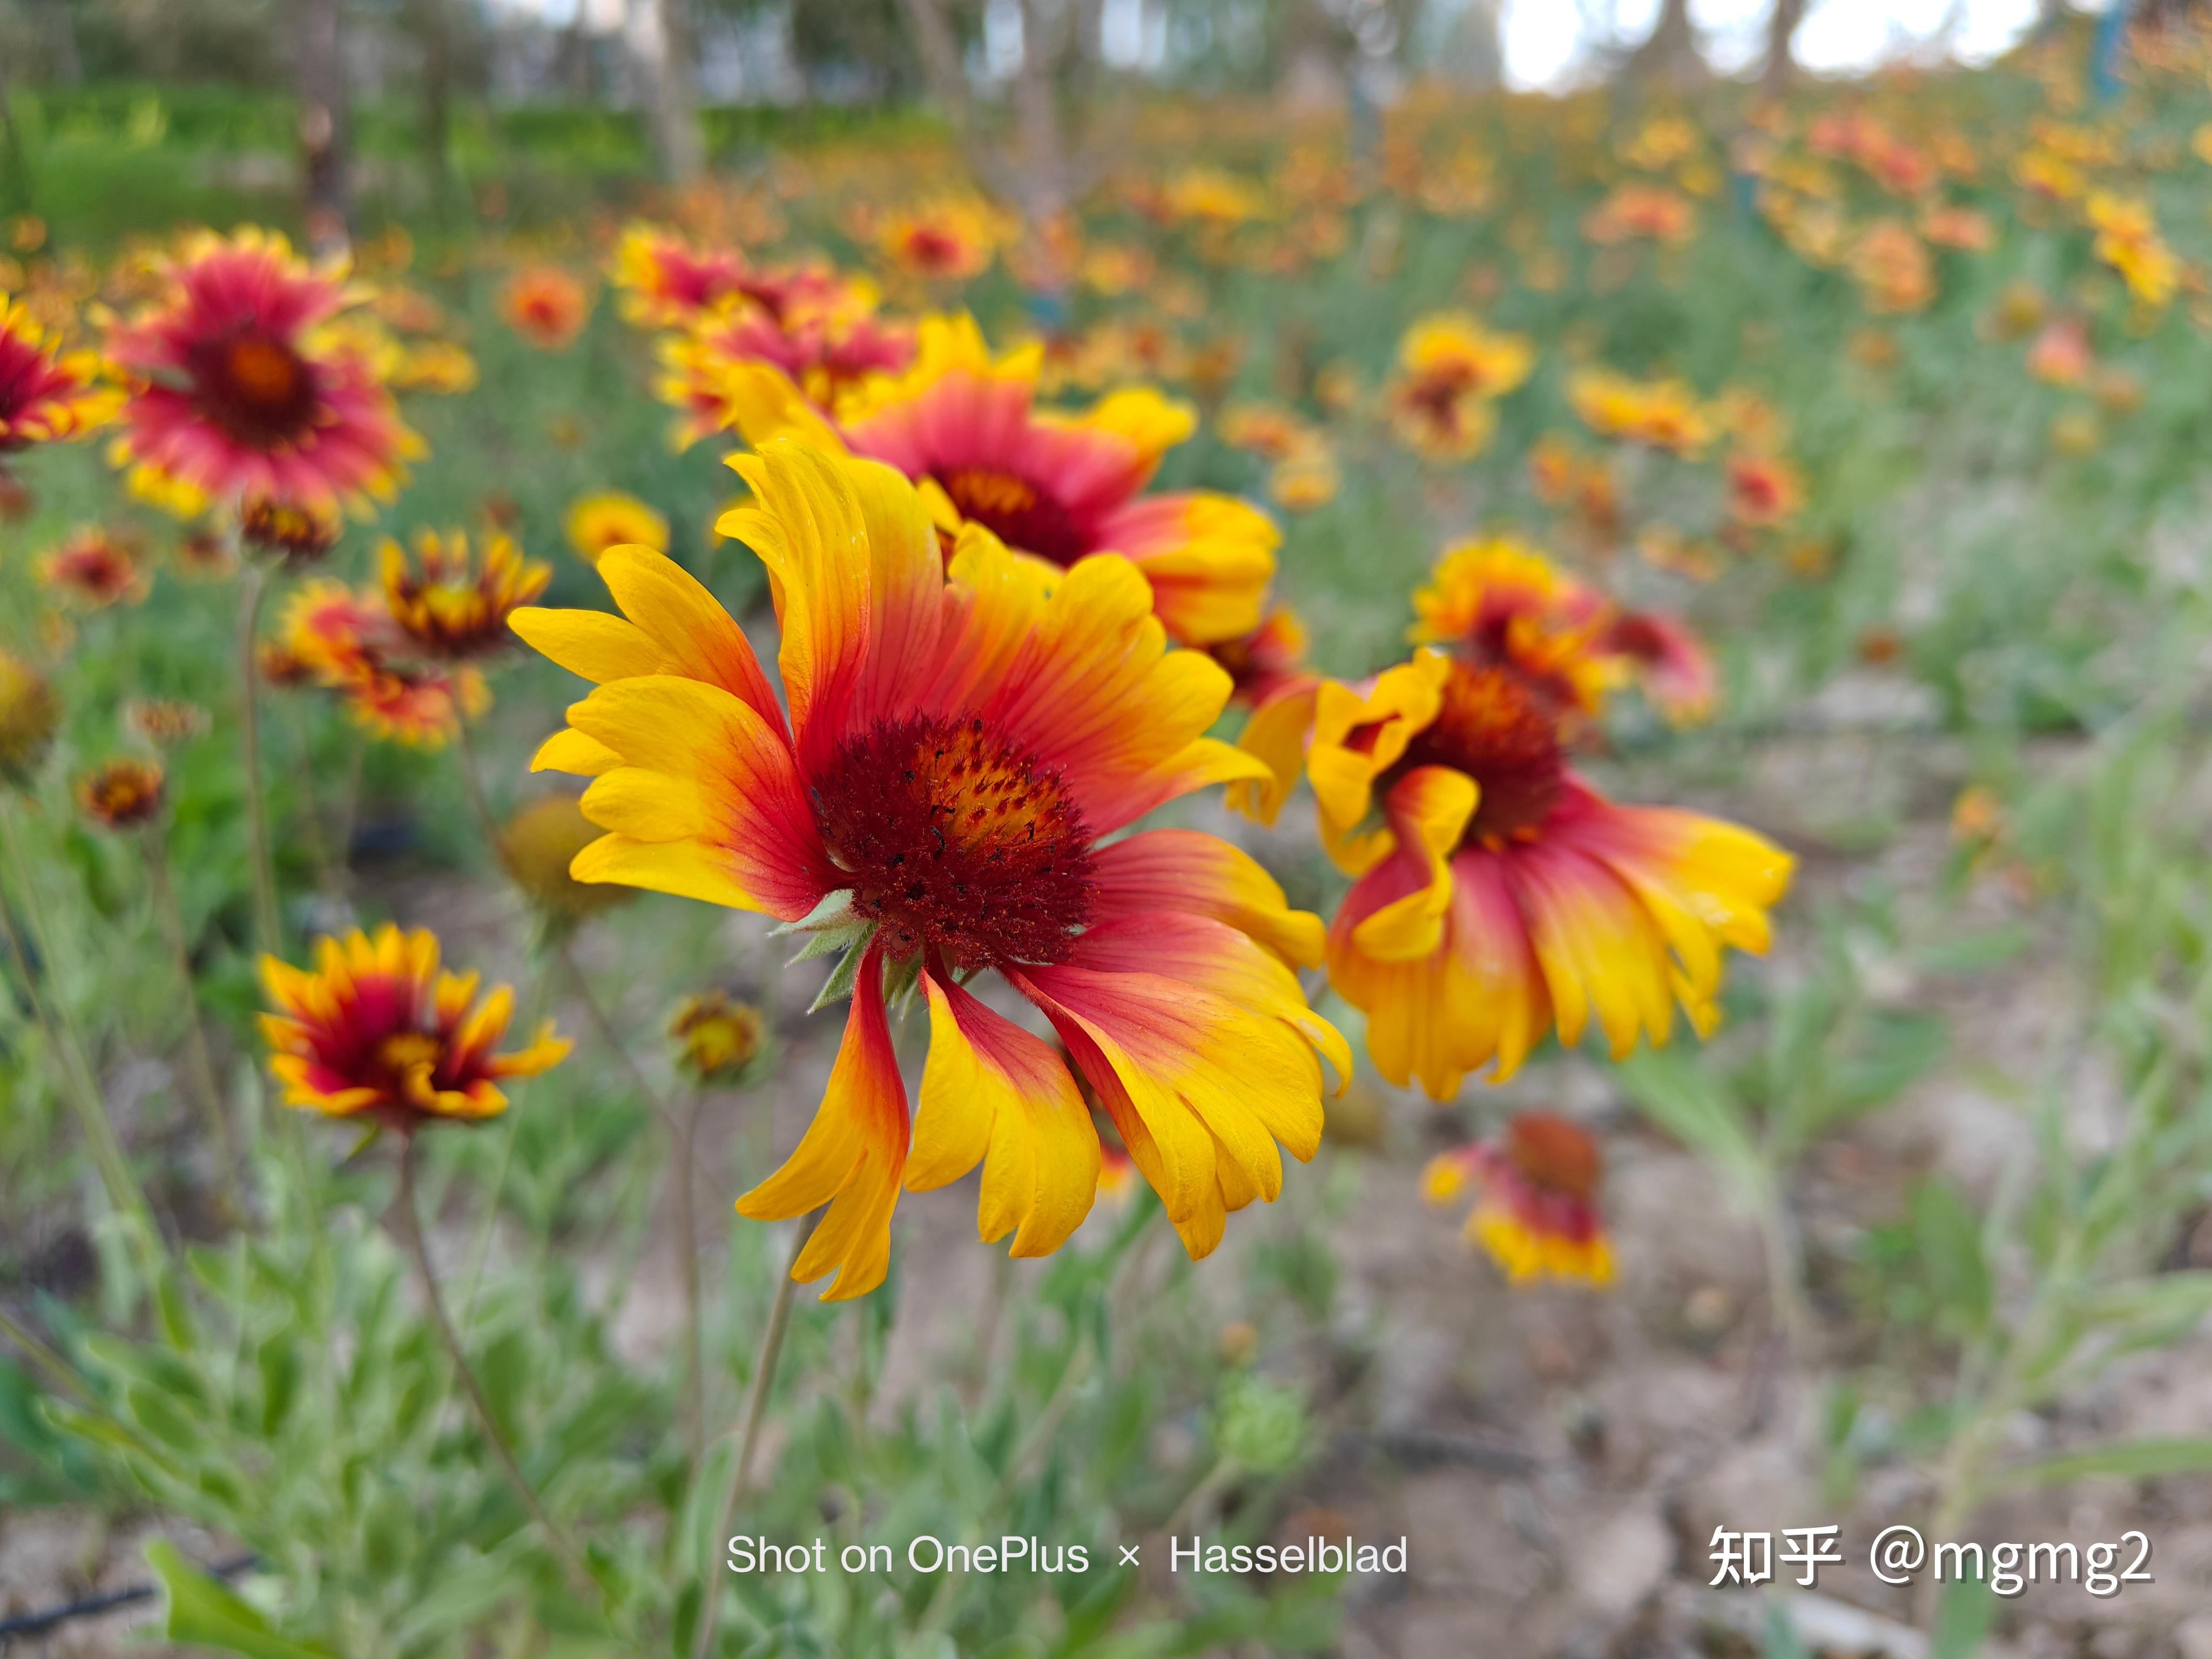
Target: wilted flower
[538,844]
[94,569]
[718,1037]
[452,605]
[29,715]
[375,1031]
[297,533]
[163,721]
[121,794]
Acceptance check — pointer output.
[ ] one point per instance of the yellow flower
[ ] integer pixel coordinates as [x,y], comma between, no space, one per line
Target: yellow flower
[613,519]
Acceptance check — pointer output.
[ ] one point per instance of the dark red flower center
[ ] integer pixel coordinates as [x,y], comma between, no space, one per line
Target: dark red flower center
[1554,1154]
[1498,730]
[257,388]
[932,249]
[1016,511]
[955,843]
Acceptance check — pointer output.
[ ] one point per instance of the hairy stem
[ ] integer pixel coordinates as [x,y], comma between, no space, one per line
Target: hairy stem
[407,1224]
[200,1062]
[771,1353]
[69,1052]
[683,1154]
[253,587]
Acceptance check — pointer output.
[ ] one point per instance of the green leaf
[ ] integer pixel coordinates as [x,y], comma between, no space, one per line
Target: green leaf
[2141,1459]
[278,1359]
[1687,1104]
[1963,1617]
[203,1612]
[1947,1237]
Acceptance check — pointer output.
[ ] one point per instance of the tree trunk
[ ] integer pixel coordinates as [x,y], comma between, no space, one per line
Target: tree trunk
[1037,109]
[1781,66]
[325,138]
[14,167]
[1669,53]
[1473,55]
[61,41]
[433,29]
[660,42]
[940,58]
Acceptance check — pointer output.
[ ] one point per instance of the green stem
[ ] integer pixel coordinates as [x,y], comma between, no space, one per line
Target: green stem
[683,1155]
[201,1063]
[253,587]
[60,1040]
[408,1225]
[771,1353]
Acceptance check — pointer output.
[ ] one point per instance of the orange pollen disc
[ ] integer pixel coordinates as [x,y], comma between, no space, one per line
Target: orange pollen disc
[956,844]
[255,387]
[1017,512]
[1495,728]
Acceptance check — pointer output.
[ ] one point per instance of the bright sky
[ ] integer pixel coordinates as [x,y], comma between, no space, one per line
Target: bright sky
[1547,41]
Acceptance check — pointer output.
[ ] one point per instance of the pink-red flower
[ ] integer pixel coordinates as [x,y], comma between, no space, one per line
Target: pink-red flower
[237,388]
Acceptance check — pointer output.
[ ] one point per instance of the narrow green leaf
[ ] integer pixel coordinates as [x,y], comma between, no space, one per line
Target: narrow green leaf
[2143,1459]
[204,1612]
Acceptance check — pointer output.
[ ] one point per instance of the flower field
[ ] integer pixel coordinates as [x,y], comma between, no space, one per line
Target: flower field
[1477,825]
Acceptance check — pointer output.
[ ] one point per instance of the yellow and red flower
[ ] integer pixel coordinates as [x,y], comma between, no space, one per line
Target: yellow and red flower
[1892,268]
[1451,369]
[665,282]
[1664,414]
[1057,486]
[960,739]
[451,605]
[405,703]
[1535,1209]
[375,1031]
[948,238]
[820,329]
[546,306]
[94,568]
[1267,661]
[237,387]
[1498,894]
[613,518]
[45,393]
[1763,490]
[2128,240]
[1639,211]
